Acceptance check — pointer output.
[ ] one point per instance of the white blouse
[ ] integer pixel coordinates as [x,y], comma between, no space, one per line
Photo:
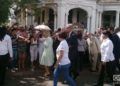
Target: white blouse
[82,45]
[63,46]
[6,46]
[107,51]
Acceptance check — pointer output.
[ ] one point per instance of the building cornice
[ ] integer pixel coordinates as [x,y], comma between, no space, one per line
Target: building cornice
[108,3]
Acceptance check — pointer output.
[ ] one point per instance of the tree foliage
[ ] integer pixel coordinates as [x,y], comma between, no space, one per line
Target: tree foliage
[24,3]
[5,5]
[4,10]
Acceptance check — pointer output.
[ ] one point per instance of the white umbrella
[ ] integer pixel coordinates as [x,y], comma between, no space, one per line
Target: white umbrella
[42,27]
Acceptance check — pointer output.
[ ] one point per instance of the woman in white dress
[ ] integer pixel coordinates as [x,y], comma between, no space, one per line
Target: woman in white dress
[47,58]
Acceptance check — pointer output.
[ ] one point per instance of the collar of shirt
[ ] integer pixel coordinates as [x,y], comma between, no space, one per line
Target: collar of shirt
[105,39]
[69,34]
[118,34]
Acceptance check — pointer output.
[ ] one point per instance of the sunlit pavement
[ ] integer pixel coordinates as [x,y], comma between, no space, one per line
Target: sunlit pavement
[29,78]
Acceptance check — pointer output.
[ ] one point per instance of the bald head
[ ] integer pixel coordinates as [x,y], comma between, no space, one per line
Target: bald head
[117,30]
[69,27]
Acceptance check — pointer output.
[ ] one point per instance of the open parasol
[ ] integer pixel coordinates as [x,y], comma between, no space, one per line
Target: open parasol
[42,27]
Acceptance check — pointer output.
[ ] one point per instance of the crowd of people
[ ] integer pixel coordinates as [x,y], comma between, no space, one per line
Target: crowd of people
[66,50]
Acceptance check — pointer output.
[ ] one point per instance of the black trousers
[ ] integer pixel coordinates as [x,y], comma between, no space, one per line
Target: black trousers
[108,68]
[117,63]
[3,64]
[73,68]
[80,61]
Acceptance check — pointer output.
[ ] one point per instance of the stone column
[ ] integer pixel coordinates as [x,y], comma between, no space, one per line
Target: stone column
[40,16]
[100,19]
[55,20]
[74,17]
[33,20]
[97,19]
[93,22]
[117,19]
[26,17]
[66,18]
[32,17]
[46,18]
[43,16]
[61,17]
[23,21]
[88,23]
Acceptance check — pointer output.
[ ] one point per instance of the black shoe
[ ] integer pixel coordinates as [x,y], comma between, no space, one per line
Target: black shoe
[2,84]
[108,81]
[97,84]
[92,70]
[75,76]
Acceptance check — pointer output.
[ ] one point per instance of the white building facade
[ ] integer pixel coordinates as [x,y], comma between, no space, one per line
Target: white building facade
[92,14]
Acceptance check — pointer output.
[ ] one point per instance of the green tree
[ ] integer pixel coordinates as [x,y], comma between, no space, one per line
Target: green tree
[5,5]
[4,10]
[25,3]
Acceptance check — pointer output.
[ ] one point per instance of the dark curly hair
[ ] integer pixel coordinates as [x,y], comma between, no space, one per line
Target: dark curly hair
[106,33]
[62,35]
[3,32]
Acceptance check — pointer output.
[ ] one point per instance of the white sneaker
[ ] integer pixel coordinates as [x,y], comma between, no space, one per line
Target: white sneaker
[13,71]
[32,70]
[16,69]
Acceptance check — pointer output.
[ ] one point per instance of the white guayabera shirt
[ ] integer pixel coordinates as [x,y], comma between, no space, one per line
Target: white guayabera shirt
[107,51]
[118,34]
[6,46]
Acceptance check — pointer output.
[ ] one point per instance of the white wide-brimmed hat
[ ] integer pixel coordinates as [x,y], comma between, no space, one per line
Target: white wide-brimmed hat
[42,27]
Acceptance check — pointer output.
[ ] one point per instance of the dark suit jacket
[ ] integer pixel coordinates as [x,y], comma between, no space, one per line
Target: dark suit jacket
[116,42]
[72,42]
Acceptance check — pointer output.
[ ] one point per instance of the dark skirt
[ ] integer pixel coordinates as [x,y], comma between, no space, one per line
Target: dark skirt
[4,59]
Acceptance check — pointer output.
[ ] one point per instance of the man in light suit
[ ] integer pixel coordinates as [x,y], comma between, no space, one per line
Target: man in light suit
[94,50]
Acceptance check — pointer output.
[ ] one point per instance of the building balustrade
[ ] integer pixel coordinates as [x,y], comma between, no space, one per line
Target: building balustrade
[109,1]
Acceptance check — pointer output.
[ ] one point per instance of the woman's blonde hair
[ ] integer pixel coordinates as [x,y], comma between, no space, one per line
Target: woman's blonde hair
[46,33]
